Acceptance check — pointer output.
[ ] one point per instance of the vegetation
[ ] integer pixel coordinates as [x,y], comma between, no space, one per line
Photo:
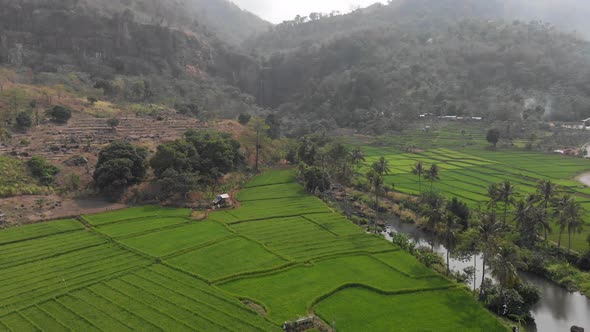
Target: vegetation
[42,170]
[16,179]
[59,114]
[119,166]
[197,270]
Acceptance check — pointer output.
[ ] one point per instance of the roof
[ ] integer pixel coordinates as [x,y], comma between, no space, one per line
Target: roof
[586,120]
[224,196]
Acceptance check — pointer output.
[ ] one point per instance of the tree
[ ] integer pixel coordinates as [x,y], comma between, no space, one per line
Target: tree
[546,191]
[505,194]
[575,219]
[316,179]
[419,170]
[42,170]
[434,210]
[273,124]
[113,123]
[382,167]
[493,137]
[179,155]
[504,265]
[119,166]
[259,127]
[560,213]
[460,210]
[432,175]
[216,150]
[24,120]
[244,118]
[173,182]
[59,114]
[490,231]
[376,181]
[529,221]
[450,235]
[357,156]
[91,100]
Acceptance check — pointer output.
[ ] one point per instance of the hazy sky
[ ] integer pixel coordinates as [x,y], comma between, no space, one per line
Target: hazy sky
[277,11]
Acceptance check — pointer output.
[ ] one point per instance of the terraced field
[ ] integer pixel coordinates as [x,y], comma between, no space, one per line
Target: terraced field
[467,173]
[154,269]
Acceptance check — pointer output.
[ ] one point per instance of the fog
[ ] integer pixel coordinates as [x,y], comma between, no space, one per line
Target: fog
[277,11]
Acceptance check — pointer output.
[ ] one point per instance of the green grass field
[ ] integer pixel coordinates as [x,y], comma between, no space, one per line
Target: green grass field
[155,269]
[468,172]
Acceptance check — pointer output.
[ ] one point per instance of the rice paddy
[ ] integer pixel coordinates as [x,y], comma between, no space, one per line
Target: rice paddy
[467,174]
[285,251]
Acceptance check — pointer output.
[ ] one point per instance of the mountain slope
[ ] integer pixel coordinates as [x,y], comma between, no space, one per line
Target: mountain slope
[128,54]
[378,67]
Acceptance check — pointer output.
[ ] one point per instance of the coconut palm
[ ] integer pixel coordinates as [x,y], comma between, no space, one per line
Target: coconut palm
[490,232]
[419,170]
[575,222]
[376,181]
[547,191]
[449,233]
[357,156]
[435,210]
[382,167]
[432,174]
[493,195]
[506,193]
[559,212]
[504,265]
[529,221]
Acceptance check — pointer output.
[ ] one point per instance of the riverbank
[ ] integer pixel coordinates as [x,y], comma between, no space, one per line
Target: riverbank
[558,308]
[584,179]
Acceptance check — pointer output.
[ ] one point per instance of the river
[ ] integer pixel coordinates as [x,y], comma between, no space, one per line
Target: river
[557,310]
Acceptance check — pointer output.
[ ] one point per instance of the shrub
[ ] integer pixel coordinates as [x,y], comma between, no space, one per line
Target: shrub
[59,114]
[243,118]
[113,123]
[42,170]
[24,120]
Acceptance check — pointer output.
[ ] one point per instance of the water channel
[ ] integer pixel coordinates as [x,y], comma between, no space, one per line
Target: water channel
[557,310]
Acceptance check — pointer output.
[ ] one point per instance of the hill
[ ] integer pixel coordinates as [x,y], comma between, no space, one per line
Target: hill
[126,54]
[378,67]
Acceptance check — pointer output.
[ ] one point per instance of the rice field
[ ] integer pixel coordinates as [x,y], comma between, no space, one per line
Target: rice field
[281,255]
[467,174]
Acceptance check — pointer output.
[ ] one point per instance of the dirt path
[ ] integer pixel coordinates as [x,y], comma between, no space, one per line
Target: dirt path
[584,178]
[31,209]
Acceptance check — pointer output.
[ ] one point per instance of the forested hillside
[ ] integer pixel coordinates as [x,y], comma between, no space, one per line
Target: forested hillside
[147,55]
[376,67]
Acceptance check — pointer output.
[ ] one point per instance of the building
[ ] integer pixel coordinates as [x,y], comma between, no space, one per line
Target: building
[222,200]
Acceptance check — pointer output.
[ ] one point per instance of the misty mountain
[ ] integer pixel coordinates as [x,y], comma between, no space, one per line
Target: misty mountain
[386,64]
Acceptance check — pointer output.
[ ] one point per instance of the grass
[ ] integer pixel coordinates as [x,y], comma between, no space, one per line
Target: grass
[211,262]
[33,231]
[139,226]
[135,213]
[449,310]
[15,179]
[467,174]
[154,269]
[288,294]
[177,239]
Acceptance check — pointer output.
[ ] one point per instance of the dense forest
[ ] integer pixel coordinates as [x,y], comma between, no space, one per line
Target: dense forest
[373,69]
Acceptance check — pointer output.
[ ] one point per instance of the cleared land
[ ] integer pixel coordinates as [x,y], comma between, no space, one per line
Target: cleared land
[467,174]
[154,269]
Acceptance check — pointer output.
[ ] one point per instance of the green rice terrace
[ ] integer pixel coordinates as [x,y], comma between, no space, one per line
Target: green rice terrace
[281,255]
[467,172]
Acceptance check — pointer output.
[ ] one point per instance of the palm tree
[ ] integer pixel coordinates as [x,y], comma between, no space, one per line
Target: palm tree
[449,233]
[506,192]
[433,174]
[547,191]
[376,181]
[529,219]
[559,212]
[356,156]
[493,195]
[575,222]
[382,167]
[434,212]
[505,264]
[490,231]
[419,170]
